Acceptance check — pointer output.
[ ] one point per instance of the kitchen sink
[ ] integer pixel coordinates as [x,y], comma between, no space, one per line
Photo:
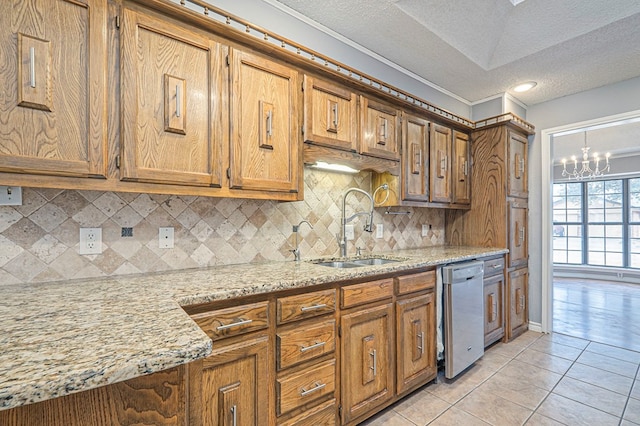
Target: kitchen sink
[356,263]
[374,261]
[339,264]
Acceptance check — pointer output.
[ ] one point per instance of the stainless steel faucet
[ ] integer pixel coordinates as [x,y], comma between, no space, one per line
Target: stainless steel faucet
[296,250]
[367,227]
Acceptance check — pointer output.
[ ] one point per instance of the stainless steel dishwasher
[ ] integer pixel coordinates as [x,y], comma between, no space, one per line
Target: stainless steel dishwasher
[463,316]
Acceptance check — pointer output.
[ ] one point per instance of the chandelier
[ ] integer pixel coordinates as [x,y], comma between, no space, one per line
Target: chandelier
[586,172]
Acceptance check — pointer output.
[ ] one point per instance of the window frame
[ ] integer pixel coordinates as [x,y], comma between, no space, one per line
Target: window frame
[625,223]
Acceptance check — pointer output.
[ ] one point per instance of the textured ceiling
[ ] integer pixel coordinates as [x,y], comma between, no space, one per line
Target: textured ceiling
[480,48]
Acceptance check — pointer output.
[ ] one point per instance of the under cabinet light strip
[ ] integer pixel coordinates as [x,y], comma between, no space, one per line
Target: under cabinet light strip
[240,25]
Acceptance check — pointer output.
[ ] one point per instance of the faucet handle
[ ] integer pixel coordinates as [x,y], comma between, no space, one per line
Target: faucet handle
[358,251]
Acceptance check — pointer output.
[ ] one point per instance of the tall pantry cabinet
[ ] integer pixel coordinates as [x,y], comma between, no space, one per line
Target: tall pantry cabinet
[499,210]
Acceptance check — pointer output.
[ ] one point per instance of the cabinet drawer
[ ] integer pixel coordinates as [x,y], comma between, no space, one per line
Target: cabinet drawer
[415,282]
[359,294]
[324,414]
[305,343]
[305,386]
[233,321]
[306,305]
[493,266]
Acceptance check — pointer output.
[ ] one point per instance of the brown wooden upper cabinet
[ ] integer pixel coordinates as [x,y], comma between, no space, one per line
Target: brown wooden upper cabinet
[440,164]
[53,111]
[461,168]
[517,177]
[330,114]
[380,129]
[415,148]
[172,96]
[265,152]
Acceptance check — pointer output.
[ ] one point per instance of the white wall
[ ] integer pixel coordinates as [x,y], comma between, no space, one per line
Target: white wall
[589,105]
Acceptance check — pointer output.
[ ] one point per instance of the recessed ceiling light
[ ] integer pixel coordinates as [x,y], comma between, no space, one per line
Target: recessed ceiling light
[516,2]
[523,87]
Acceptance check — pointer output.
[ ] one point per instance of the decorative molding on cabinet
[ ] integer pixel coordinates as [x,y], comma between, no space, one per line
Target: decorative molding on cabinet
[305,54]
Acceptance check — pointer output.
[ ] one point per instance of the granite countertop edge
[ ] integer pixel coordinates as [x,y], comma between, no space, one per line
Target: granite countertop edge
[66,337]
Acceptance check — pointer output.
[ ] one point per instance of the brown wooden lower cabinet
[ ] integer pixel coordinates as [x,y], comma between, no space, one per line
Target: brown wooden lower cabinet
[494,318]
[518,309]
[415,341]
[229,387]
[323,414]
[367,360]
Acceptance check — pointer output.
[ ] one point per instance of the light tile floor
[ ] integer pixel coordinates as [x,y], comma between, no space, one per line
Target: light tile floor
[544,379]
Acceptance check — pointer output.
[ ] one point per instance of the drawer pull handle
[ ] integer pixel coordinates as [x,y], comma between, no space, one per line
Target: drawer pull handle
[178,100]
[374,354]
[317,387]
[308,348]
[32,67]
[234,414]
[269,124]
[234,324]
[313,307]
[496,266]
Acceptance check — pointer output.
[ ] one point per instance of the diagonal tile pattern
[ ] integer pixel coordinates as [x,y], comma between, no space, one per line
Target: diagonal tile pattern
[39,240]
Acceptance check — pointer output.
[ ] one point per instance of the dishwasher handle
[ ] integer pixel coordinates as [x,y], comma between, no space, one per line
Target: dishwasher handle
[461,272]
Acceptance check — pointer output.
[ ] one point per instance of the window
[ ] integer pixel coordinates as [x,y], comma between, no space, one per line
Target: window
[567,223]
[634,223]
[597,223]
[605,243]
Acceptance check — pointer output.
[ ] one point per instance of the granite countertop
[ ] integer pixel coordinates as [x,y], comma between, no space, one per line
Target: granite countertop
[64,337]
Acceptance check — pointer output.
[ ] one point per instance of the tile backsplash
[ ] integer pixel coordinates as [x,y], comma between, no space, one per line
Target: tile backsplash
[39,240]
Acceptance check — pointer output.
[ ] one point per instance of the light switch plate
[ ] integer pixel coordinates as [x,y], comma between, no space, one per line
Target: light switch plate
[379,230]
[90,241]
[425,230]
[10,195]
[165,238]
[349,232]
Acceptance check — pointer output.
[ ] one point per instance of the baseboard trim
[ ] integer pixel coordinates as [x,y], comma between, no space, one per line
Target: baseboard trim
[535,326]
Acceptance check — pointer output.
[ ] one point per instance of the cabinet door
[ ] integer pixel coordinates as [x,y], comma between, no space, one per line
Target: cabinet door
[367,369]
[264,137]
[53,112]
[380,130]
[172,90]
[415,143]
[518,302]
[229,386]
[330,114]
[518,252]
[461,168]
[440,164]
[494,319]
[517,177]
[416,342]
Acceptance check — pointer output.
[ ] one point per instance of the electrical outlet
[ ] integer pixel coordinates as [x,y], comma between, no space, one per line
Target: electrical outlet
[90,241]
[165,238]
[349,232]
[10,196]
[425,230]
[379,230]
